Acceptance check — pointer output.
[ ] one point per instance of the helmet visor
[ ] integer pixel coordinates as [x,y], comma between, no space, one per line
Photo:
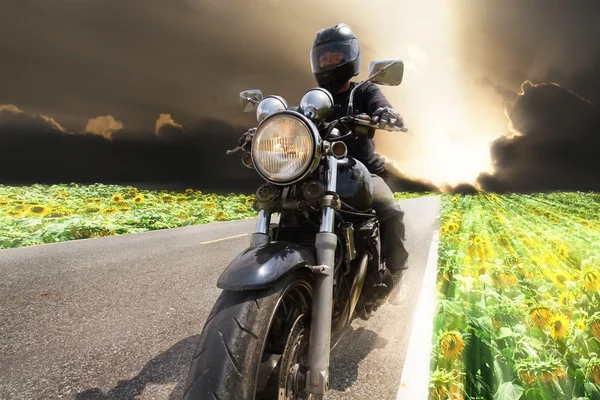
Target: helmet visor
[330,55]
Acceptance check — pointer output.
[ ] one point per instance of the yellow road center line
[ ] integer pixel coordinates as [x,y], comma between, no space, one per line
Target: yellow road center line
[225,238]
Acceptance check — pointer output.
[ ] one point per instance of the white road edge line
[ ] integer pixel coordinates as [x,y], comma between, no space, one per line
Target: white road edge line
[414,383]
[225,238]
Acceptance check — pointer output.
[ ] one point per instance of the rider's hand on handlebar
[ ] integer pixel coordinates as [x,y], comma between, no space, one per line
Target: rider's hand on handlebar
[387,116]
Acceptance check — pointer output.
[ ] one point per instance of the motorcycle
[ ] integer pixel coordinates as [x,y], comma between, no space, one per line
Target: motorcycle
[287,299]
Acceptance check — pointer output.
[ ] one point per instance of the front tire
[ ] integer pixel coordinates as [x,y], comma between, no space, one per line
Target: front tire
[247,338]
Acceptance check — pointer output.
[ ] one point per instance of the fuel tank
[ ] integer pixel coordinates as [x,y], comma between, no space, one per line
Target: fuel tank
[354,184]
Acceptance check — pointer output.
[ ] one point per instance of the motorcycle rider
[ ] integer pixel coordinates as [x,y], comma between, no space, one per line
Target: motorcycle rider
[335,59]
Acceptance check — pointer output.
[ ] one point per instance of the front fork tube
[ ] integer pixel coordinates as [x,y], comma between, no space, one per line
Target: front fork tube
[317,379]
[261,235]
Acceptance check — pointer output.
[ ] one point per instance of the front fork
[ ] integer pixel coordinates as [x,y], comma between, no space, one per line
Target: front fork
[317,375]
[317,378]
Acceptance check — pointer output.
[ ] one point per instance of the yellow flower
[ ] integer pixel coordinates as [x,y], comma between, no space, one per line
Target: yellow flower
[189,191]
[591,281]
[581,325]
[563,251]
[38,210]
[565,298]
[3,202]
[540,316]
[451,345]
[444,230]
[527,377]
[117,198]
[221,216]
[93,200]
[559,327]
[109,210]
[503,280]
[250,200]
[167,199]
[14,213]
[560,279]
[210,205]
[139,199]
[595,327]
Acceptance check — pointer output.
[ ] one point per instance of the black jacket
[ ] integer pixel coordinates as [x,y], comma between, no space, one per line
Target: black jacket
[367,99]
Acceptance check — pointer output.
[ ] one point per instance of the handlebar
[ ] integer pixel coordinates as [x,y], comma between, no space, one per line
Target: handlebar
[366,121]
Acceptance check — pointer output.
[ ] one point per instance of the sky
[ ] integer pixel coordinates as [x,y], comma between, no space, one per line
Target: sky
[498,95]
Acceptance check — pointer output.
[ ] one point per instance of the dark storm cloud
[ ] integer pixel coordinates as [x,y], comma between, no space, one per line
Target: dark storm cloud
[35,151]
[553,44]
[556,146]
[142,74]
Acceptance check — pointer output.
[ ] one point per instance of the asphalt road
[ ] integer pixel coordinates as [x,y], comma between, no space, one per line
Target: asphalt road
[118,317]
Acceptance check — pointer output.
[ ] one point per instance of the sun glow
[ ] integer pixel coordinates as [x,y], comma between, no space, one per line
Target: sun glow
[451,118]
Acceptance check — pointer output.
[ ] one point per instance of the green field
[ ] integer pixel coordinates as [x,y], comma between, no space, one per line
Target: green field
[518,309]
[41,214]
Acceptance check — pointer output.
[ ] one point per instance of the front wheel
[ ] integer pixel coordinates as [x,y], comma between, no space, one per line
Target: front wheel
[254,344]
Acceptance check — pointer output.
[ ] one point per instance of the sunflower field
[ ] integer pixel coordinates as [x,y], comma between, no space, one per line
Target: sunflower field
[518,298]
[40,214]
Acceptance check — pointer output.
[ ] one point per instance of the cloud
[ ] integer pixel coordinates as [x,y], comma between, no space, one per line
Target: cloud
[165,121]
[103,126]
[11,115]
[34,151]
[555,144]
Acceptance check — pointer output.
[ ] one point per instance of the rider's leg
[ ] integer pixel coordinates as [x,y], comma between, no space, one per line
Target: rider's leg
[392,226]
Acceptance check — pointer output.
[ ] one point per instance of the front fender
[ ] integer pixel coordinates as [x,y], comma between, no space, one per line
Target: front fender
[259,267]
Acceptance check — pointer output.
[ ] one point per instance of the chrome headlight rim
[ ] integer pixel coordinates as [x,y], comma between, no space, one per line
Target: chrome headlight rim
[315,152]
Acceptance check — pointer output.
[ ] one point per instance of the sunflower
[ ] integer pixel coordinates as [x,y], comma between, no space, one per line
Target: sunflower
[560,279]
[540,316]
[241,209]
[221,216]
[504,280]
[581,326]
[595,327]
[209,205]
[38,210]
[563,251]
[444,230]
[167,199]
[139,199]
[109,210]
[593,370]
[91,209]
[117,198]
[3,202]
[93,200]
[451,345]
[189,191]
[527,377]
[591,281]
[14,213]
[453,228]
[250,200]
[565,298]
[559,327]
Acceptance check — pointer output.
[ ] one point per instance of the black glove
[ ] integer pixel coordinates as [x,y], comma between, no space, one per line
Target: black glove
[387,116]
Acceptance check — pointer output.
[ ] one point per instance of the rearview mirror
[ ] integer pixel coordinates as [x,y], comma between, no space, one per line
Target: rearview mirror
[250,99]
[386,72]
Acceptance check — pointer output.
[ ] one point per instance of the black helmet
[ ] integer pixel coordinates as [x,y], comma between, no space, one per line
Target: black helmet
[341,46]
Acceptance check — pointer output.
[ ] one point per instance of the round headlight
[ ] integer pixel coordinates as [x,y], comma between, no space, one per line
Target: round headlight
[285,148]
[317,104]
[270,105]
